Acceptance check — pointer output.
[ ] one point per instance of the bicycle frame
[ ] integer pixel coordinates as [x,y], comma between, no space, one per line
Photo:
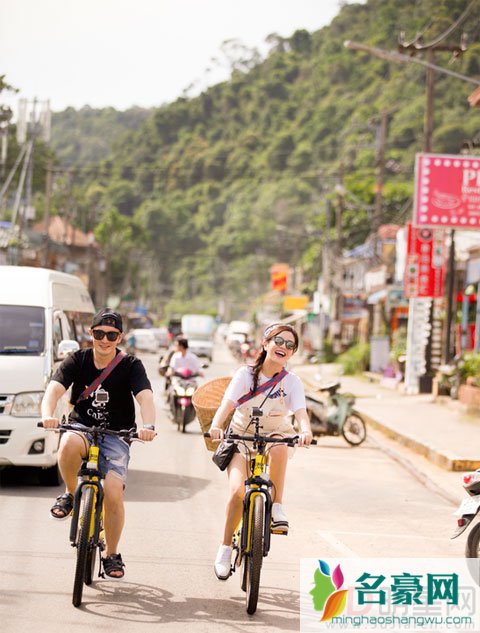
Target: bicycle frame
[89,476]
[256,484]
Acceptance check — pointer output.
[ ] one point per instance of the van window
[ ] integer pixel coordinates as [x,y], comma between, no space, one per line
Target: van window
[22,330]
[57,334]
[80,323]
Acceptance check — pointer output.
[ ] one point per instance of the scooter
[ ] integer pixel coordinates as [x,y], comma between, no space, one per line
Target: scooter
[336,416]
[180,394]
[467,512]
[451,376]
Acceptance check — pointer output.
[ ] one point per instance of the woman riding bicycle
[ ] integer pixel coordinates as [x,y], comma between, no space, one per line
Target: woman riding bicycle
[279,343]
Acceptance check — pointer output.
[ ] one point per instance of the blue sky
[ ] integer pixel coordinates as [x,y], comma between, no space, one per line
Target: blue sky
[121,53]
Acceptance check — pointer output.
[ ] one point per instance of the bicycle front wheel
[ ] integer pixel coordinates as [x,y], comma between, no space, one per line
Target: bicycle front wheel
[83,545]
[254,559]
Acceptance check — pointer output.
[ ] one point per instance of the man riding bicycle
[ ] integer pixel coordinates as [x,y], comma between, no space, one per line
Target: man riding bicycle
[109,402]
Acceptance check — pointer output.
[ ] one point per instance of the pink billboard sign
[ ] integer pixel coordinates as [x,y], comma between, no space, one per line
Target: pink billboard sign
[447,191]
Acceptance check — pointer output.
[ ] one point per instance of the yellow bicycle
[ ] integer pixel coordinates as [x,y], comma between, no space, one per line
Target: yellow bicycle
[251,539]
[86,530]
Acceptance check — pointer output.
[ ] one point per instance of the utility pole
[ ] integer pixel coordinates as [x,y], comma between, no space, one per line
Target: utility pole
[48,195]
[432,360]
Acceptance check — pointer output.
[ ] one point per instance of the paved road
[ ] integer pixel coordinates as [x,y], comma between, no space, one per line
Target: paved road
[341,501]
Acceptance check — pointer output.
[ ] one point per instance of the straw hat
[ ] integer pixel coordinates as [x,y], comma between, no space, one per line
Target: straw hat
[206,400]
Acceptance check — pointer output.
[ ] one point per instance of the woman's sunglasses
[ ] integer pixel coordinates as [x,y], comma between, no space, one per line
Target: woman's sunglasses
[99,335]
[279,340]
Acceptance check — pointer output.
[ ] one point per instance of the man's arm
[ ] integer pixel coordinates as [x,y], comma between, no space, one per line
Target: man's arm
[147,410]
[53,393]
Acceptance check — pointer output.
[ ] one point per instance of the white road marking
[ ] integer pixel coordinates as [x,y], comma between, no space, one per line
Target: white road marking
[332,540]
[419,537]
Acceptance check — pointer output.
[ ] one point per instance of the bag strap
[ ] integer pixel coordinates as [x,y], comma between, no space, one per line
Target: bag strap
[103,376]
[270,384]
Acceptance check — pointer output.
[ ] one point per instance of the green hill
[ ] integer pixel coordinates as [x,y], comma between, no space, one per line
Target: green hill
[199,200]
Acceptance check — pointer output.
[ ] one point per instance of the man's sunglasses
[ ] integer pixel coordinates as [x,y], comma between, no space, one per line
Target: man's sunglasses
[279,340]
[99,335]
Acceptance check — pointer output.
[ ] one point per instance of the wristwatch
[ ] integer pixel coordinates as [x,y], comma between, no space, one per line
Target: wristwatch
[149,427]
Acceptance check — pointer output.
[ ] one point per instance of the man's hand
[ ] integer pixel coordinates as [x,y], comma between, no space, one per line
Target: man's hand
[147,435]
[50,423]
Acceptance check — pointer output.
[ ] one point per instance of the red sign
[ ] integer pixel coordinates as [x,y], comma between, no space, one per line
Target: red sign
[447,191]
[279,277]
[424,270]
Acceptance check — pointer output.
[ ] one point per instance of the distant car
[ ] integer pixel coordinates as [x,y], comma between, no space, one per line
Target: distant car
[201,347]
[238,332]
[161,334]
[145,340]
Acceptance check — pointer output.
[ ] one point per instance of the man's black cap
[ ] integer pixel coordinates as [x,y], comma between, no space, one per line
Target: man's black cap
[106,316]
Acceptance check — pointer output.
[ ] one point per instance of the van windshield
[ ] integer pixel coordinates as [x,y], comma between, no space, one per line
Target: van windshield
[22,330]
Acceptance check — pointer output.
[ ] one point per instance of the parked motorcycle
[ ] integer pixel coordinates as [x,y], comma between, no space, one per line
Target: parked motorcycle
[336,416]
[179,398]
[450,377]
[467,512]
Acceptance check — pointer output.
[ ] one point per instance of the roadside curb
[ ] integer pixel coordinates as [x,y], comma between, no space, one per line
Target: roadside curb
[439,458]
[421,476]
[442,459]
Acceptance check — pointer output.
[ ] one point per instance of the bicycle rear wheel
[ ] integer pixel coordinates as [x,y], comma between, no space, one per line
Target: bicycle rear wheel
[254,559]
[83,545]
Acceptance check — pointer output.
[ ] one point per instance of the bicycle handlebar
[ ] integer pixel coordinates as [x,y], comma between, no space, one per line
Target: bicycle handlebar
[77,426]
[291,441]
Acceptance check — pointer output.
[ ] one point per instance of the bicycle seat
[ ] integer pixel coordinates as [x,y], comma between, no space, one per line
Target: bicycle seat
[330,387]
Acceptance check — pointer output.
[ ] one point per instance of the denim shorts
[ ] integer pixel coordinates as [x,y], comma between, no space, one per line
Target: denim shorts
[114,456]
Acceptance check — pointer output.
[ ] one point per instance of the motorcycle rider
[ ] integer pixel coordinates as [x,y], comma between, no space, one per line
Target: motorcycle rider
[183,358]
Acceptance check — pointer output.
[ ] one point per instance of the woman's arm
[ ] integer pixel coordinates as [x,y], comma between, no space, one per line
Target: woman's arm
[218,423]
[306,435]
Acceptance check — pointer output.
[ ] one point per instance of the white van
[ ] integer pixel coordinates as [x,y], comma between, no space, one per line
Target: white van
[44,315]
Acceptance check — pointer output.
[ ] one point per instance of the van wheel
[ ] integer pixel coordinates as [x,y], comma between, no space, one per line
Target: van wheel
[50,476]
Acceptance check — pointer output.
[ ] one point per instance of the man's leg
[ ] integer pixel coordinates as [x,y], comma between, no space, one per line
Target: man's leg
[73,448]
[114,511]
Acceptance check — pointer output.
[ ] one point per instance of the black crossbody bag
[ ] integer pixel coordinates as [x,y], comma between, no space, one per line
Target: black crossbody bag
[225,451]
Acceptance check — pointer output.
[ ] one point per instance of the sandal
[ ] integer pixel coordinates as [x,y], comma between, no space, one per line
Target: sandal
[62,507]
[113,564]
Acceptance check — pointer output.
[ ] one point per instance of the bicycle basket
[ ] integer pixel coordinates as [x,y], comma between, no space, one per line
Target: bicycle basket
[206,400]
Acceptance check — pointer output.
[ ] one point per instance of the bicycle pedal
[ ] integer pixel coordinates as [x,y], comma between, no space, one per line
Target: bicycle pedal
[279,531]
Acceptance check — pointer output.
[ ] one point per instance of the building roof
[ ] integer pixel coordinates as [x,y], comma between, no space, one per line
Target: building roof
[61,231]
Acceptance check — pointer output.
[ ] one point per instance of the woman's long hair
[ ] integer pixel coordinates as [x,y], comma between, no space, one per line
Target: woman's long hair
[270,332]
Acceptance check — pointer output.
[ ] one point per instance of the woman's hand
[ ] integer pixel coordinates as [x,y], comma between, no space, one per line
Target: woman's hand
[216,433]
[305,438]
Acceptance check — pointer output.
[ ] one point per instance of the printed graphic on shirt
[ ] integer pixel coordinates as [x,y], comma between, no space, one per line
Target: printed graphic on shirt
[100,400]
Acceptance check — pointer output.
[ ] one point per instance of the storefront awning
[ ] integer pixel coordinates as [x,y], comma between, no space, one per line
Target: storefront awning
[375,297]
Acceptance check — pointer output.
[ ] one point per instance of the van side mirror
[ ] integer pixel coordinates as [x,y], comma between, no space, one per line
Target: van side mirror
[65,348]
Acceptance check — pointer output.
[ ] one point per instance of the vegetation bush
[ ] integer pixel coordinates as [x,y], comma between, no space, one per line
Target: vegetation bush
[471,368]
[355,359]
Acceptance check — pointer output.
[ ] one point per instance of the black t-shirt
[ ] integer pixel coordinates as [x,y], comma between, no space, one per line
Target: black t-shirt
[113,401]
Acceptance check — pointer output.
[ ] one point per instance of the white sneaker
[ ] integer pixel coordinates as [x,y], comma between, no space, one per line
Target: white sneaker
[279,519]
[223,565]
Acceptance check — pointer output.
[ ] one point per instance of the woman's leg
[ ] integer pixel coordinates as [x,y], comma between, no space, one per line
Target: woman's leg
[278,458]
[237,473]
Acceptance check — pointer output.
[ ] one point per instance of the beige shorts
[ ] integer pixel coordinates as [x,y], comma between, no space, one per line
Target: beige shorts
[269,426]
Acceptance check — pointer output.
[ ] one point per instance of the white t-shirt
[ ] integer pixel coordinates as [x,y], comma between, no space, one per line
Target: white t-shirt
[189,361]
[291,385]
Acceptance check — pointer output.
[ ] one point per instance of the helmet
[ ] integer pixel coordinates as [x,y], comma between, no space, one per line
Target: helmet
[471,483]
